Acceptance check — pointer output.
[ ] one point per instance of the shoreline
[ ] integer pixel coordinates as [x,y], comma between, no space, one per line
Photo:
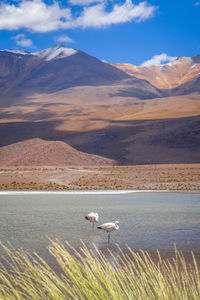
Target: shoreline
[93,192]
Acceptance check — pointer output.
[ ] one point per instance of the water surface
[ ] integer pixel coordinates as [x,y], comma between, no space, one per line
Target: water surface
[147,220]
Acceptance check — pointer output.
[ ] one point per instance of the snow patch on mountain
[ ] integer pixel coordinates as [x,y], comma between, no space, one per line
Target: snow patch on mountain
[181,60]
[21,52]
[193,66]
[55,52]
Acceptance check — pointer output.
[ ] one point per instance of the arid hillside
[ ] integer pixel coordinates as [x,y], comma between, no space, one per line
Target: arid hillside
[168,76]
[61,106]
[36,152]
[124,129]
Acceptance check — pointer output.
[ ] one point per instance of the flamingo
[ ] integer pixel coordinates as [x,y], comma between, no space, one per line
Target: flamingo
[108,227]
[93,218]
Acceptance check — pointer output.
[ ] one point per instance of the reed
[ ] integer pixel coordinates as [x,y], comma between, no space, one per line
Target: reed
[90,274]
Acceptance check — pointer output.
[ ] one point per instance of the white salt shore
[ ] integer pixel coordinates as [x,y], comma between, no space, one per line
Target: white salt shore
[97,192]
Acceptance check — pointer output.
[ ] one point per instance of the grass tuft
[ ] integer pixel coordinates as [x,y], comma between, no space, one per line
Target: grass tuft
[90,274]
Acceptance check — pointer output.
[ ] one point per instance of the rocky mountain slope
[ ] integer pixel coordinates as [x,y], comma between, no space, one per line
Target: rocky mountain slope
[169,76]
[61,106]
[23,74]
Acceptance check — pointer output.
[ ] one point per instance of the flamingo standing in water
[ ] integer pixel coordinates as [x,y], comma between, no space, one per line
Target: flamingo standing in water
[93,218]
[108,227]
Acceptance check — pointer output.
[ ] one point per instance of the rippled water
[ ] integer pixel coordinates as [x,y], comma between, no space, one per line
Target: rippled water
[147,220]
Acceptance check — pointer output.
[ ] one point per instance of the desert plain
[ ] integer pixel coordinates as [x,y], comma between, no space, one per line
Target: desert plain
[178,177]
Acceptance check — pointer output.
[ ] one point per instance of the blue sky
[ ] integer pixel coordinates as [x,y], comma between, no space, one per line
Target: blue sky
[115,31]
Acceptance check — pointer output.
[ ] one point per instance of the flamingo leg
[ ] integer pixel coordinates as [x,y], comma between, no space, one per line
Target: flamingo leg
[108,238]
[93,226]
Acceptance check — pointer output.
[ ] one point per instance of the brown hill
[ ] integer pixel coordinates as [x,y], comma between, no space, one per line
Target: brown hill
[37,152]
[168,76]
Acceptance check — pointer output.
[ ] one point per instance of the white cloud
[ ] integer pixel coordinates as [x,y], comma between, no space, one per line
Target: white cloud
[34,15]
[19,36]
[37,16]
[158,60]
[64,38]
[97,16]
[21,40]
[84,2]
[24,42]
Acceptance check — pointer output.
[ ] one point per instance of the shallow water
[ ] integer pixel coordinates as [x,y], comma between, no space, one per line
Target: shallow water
[147,220]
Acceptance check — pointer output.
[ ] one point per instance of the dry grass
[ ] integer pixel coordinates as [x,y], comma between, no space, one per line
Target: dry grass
[148,177]
[87,274]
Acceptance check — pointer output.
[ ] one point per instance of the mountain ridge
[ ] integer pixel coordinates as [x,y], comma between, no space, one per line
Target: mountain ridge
[58,68]
[56,52]
[166,76]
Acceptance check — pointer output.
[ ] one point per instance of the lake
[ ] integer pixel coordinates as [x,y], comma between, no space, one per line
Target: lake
[148,220]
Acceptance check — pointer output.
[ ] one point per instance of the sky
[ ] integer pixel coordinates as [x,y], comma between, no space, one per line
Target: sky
[136,32]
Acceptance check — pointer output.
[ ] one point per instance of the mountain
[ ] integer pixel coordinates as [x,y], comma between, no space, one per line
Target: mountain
[61,106]
[37,152]
[23,74]
[191,86]
[167,76]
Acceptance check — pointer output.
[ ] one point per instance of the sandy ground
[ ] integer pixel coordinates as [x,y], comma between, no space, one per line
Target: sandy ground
[184,177]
